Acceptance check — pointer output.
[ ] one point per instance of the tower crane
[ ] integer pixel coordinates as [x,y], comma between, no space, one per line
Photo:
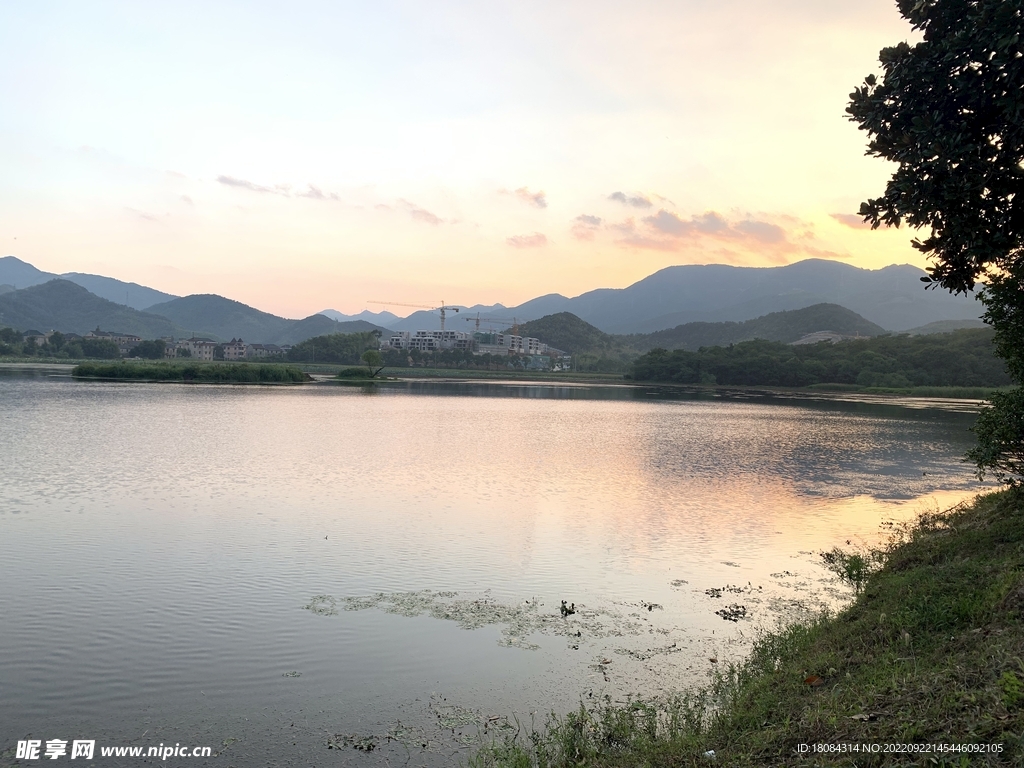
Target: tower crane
[496,320]
[443,308]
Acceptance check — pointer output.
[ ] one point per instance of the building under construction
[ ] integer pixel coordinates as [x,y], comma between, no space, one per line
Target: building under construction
[479,343]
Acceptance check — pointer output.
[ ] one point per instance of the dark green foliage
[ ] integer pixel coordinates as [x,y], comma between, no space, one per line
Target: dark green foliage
[459,359]
[361,374]
[223,318]
[787,326]
[593,350]
[199,373]
[569,333]
[960,359]
[58,346]
[71,308]
[374,362]
[1004,302]
[102,349]
[950,111]
[1000,432]
[151,350]
[344,348]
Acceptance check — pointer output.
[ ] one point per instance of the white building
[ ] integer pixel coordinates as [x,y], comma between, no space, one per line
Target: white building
[125,341]
[263,350]
[199,349]
[428,341]
[234,349]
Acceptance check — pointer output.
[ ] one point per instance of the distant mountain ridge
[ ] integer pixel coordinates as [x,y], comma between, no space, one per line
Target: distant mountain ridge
[567,332]
[892,297]
[226,318]
[60,305]
[21,274]
[786,326]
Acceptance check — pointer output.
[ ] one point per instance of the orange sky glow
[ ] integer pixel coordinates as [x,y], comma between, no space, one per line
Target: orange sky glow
[477,153]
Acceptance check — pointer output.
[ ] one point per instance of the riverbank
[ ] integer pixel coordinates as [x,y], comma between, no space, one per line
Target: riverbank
[197,373]
[323,370]
[928,657]
[548,377]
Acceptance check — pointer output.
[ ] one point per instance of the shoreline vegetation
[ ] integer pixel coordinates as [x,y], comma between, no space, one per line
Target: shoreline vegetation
[391,375]
[192,373]
[928,654]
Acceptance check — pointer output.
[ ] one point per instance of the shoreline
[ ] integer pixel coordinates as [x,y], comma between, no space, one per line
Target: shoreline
[326,374]
[924,664]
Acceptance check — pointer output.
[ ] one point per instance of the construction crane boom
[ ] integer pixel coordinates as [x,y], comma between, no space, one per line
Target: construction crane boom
[502,320]
[443,308]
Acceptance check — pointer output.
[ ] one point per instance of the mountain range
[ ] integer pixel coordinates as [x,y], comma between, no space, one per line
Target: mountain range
[20,274]
[892,297]
[569,333]
[65,306]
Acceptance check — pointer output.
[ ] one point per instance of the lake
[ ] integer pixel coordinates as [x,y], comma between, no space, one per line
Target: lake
[292,576]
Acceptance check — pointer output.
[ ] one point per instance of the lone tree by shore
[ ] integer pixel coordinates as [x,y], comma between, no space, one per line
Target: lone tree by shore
[374,362]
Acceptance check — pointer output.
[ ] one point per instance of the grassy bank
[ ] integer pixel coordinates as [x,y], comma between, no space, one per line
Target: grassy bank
[931,652]
[962,393]
[198,373]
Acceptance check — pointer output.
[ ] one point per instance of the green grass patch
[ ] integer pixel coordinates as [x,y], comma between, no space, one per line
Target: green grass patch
[355,374]
[931,652]
[964,393]
[198,373]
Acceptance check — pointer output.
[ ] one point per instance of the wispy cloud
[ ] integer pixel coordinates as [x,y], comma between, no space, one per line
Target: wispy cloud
[231,181]
[762,231]
[714,224]
[186,199]
[772,237]
[421,214]
[537,199]
[314,192]
[636,201]
[851,220]
[536,240]
[585,227]
[144,215]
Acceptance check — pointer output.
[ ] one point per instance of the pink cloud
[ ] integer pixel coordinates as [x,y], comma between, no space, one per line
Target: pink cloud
[536,199]
[314,192]
[635,201]
[850,220]
[536,240]
[775,239]
[421,214]
[584,227]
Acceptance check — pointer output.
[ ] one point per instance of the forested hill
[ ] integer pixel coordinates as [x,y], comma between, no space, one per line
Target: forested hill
[785,326]
[64,306]
[567,332]
[960,359]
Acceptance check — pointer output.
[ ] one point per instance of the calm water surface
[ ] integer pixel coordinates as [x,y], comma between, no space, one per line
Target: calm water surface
[248,568]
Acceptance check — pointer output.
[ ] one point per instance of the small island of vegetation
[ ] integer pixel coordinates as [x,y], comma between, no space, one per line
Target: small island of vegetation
[192,373]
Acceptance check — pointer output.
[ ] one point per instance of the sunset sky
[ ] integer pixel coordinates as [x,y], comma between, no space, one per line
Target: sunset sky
[300,156]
